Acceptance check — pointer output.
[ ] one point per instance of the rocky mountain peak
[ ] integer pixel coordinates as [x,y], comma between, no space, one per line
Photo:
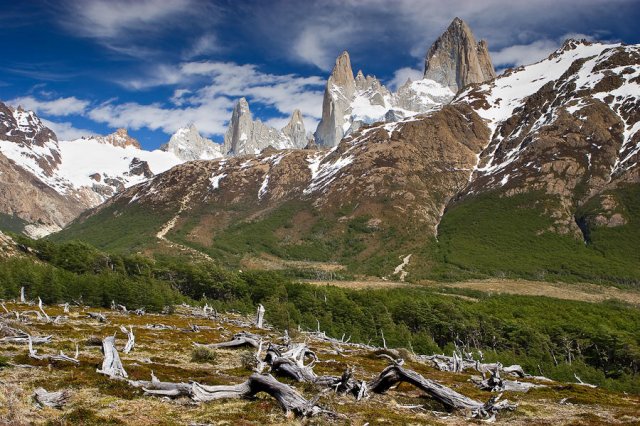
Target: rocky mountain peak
[188,144]
[119,138]
[342,74]
[295,129]
[456,59]
[246,136]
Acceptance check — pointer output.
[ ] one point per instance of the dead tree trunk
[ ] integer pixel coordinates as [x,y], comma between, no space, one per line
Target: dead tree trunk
[111,365]
[451,399]
[240,339]
[51,399]
[131,339]
[98,316]
[60,357]
[42,310]
[260,316]
[22,298]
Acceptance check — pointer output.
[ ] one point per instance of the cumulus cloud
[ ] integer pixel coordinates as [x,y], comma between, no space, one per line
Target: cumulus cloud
[58,107]
[65,130]
[402,75]
[203,82]
[209,117]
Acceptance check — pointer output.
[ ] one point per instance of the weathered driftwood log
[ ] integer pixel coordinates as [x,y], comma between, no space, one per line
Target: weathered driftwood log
[111,365]
[131,339]
[495,383]
[97,316]
[60,357]
[291,364]
[394,374]
[14,335]
[289,399]
[260,316]
[581,383]
[243,338]
[159,327]
[51,399]
[139,311]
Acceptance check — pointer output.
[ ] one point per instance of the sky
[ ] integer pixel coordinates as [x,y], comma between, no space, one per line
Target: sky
[152,66]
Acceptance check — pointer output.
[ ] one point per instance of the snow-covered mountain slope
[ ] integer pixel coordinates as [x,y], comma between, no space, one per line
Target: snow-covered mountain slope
[187,144]
[579,75]
[46,182]
[567,126]
[247,136]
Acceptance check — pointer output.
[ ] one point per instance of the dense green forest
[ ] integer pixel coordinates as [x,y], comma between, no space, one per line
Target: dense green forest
[600,342]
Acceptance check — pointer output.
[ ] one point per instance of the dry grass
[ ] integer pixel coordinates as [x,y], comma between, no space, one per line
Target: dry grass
[97,400]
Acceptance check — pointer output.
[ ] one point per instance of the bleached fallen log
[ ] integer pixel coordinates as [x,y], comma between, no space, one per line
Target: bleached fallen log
[243,338]
[581,383]
[289,399]
[66,308]
[22,339]
[131,339]
[394,374]
[4,308]
[159,327]
[60,357]
[260,316]
[139,311]
[51,399]
[97,316]
[111,365]
[495,383]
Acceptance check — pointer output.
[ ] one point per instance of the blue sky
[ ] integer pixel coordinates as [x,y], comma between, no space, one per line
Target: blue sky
[152,66]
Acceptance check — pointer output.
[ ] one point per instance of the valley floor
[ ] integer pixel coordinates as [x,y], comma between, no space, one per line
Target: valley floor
[583,292]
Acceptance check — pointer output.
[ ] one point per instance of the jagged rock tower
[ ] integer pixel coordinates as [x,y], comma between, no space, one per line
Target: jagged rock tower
[456,59]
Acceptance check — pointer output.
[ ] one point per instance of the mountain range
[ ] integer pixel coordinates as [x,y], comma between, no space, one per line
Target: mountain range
[463,172]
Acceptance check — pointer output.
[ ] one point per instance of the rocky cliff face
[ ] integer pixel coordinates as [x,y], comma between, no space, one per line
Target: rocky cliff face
[187,144]
[456,59]
[246,136]
[350,103]
[120,138]
[567,126]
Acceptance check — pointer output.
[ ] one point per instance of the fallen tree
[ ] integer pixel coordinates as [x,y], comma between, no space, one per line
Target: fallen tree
[395,374]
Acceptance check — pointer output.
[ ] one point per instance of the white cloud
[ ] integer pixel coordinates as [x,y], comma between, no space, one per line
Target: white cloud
[523,54]
[58,107]
[400,77]
[205,44]
[65,130]
[209,117]
[108,19]
[211,80]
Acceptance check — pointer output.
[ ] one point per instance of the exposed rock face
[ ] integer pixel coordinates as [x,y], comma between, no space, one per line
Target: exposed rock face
[187,144]
[349,103]
[246,136]
[456,59]
[295,130]
[119,138]
[561,128]
[8,247]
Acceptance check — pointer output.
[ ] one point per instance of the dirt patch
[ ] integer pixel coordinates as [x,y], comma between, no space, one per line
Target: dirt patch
[274,263]
[580,292]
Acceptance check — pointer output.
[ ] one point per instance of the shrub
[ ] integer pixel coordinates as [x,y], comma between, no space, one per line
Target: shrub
[203,354]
